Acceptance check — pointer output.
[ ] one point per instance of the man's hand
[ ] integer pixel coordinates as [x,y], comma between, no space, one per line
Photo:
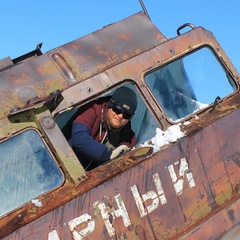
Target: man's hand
[118,151]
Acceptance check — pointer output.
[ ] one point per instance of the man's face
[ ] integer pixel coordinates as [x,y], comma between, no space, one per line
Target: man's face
[115,120]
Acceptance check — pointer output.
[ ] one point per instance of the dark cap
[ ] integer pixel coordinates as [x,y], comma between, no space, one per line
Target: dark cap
[126,98]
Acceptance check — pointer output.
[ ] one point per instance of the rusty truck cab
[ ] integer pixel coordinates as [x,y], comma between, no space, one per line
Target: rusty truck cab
[181,180]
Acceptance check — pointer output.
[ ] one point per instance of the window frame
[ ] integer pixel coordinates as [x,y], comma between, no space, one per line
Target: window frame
[51,158]
[182,56]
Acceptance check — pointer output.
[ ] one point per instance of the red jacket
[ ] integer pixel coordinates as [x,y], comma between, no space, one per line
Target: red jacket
[89,129]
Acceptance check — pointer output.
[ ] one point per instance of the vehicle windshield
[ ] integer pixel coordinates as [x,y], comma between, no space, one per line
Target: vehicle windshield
[27,170]
[190,83]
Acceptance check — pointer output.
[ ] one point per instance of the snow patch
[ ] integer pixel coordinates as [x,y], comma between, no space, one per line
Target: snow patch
[162,138]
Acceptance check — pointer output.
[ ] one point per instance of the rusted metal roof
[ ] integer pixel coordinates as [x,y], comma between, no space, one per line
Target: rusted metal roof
[64,66]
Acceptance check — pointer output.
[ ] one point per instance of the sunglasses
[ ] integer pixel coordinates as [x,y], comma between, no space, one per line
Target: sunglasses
[118,110]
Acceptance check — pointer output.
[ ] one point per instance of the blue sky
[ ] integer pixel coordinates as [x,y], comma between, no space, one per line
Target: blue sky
[26,23]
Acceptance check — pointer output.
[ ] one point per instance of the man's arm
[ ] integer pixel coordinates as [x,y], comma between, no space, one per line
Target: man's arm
[82,140]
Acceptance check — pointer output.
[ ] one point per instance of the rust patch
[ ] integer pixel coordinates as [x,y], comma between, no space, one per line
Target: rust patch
[141,153]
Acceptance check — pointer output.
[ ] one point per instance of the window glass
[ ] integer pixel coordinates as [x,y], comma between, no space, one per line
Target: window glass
[143,123]
[190,83]
[27,170]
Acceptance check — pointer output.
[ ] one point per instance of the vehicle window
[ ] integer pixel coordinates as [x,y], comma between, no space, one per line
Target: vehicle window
[27,170]
[190,83]
[143,123]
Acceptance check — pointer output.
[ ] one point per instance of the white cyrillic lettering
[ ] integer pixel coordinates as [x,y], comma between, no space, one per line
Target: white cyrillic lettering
[155,201]
[105,215]
[122,211]
[160,191]
[150,195]
[106,212]
[79,220]
[178,182]
[138,201]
